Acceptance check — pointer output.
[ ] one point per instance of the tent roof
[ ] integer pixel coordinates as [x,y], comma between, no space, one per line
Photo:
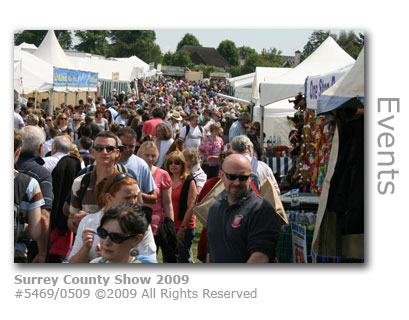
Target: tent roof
[327,57]
[51,52]
[244,80]
[265,75]
[350,87]
[26,45]
[32,72]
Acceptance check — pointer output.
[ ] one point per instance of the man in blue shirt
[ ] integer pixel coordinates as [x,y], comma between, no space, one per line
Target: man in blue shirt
[136,164]
[238,128]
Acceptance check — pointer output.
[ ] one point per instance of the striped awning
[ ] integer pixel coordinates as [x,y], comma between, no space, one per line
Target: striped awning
[107,87]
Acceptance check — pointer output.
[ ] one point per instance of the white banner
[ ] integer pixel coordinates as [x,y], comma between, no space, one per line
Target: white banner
[299,235]
[316,85]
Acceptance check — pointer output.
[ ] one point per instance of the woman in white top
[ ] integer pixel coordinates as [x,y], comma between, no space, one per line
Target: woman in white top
[163,141]
[100,121]
[117,188]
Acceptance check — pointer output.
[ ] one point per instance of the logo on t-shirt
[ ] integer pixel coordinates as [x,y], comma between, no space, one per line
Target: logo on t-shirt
[236,221]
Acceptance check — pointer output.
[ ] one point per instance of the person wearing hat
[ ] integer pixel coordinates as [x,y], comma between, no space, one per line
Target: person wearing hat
[175,119]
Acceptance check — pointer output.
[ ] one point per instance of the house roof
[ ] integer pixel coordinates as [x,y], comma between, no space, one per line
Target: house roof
[205,55]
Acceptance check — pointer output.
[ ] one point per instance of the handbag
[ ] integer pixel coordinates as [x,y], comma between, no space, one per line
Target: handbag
[268,192]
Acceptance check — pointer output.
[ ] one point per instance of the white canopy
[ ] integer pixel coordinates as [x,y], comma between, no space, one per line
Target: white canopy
[243,80]
[265,75]
[31,73]
[51,52]
[327,57]
[349,89]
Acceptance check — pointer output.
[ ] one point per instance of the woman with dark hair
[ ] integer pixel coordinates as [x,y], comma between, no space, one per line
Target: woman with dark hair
[100,121]
[163,141]
[121,229]
[184,194]
[118,188]
[108,116]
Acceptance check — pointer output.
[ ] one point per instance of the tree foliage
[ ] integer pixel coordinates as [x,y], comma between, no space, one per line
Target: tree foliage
[348,41]
[228,50]
[245,51]
[93,41]
[37,36]
[188,40]
[140,43]
[272,57]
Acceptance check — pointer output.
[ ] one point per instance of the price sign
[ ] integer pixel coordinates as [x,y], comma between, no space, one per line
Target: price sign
[299,236]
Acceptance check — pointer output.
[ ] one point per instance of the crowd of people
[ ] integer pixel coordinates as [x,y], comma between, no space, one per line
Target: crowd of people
[116,179]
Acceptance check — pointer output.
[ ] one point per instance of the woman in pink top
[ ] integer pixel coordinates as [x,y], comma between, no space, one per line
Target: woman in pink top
[163,207]
[210,149]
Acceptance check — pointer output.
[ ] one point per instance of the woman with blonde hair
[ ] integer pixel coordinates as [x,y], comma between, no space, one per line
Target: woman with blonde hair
[163,141]
[162,209]
[184,195]
[193,164]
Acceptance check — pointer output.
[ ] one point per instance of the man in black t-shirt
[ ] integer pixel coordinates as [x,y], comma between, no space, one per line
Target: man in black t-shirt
[241,226]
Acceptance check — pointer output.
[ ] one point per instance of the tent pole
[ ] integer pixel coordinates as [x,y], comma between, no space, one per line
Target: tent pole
[51,102]
[35,99]
[261,127]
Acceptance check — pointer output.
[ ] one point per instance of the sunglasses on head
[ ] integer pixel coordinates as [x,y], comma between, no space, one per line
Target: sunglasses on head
[109,149]
[115,237]
[233,177]
[118,178]
[176,162]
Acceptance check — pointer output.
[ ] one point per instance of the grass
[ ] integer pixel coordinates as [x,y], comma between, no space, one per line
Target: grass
[199,228]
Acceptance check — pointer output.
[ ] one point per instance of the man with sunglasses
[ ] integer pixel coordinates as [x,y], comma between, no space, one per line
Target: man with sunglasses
[241,226]
[105,151]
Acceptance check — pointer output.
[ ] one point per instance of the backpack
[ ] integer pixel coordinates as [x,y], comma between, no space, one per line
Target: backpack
[20,186]
[87,178]
[254,177]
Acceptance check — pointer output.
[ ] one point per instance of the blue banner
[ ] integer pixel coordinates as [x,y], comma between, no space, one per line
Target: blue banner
[65,77]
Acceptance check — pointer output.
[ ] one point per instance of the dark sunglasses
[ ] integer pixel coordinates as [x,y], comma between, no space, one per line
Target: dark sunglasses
[176,162]
[109,149]
[48,120]
[118,178]
[233,177]
[63,118]
[115,237]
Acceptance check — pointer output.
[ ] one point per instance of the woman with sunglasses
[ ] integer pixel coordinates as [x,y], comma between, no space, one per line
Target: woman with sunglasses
[184,194]
[121,230]
[118,188]
[163,207]
[61,122]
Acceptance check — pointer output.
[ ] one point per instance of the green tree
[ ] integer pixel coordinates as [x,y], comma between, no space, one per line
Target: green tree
[254,60]
[228,50]
[93,41]
[37,36]
[168,59]
[245,52]
[351,43]
[235,71]
[314,41]
[140,43]
[181,58]
[188,40]
[272,57]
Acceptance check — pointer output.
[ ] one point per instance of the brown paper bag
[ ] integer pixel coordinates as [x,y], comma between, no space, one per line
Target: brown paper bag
[268,192]
[201,210]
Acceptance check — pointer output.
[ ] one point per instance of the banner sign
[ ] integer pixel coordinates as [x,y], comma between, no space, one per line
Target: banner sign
[115,76]
[316,85]
[299,235]
[65,77]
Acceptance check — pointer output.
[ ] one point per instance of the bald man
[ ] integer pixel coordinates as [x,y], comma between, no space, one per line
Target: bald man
[241,226]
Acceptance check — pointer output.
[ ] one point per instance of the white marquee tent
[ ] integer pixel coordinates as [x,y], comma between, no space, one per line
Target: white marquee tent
[348,89]
[327,57]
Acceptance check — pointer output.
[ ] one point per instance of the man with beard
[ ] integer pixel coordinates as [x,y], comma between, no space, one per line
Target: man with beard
[241,226]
